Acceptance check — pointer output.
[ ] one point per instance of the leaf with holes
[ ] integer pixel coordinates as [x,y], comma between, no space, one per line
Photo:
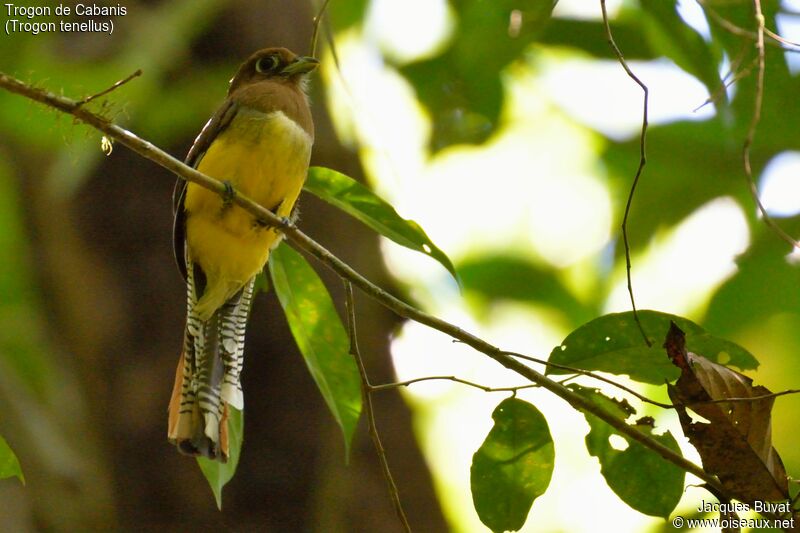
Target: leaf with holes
[613,343]
[736,443]
[513,466]
[639,476]
[356,200]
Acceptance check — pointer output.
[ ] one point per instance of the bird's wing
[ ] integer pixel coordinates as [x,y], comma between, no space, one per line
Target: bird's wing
[215,125]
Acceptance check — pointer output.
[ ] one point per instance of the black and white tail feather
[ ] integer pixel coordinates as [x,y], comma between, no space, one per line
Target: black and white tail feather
[208,376]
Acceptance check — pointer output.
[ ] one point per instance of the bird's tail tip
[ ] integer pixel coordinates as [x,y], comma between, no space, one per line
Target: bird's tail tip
[192,432]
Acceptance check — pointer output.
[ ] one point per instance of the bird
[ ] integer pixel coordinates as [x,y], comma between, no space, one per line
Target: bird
[258,143]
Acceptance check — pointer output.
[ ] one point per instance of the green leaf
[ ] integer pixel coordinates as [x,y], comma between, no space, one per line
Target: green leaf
[261,284]
[775,114]
[320,335]
[709,167]
[613,343]
[738,13]
[346,14]
[513,466]
[590,36]
[639,476]
[505,276]
[9,465]
[744,300]
[677,40]
[218,474]
[464,107]
[462,88]
[356,200]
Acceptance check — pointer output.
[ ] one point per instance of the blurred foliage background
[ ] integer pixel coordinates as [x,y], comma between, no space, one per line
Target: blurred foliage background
[509,134]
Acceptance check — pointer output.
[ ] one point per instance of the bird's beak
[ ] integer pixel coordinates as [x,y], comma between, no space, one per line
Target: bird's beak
[301,65]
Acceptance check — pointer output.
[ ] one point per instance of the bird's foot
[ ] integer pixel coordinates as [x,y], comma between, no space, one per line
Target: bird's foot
[229,195]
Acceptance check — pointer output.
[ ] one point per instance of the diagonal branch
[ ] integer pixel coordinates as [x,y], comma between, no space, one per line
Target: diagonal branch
[301,241]
[112,88]
[775,39]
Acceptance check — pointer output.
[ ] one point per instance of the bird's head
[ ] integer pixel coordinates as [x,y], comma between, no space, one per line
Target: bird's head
[274,64]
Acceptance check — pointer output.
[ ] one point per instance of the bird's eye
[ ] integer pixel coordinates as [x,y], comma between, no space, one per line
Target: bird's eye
[267,64]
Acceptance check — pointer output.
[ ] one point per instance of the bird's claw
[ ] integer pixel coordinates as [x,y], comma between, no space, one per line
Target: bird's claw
[229,195]
[283,222]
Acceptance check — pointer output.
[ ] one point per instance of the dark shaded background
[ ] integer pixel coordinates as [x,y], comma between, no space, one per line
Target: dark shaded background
[112,309]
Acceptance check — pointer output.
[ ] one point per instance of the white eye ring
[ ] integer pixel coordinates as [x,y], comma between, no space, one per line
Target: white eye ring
[267,64]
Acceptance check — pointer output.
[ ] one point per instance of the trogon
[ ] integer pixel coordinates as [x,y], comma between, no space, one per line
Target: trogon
[259,143]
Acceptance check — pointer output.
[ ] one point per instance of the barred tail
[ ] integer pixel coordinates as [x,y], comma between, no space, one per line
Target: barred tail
[208,376]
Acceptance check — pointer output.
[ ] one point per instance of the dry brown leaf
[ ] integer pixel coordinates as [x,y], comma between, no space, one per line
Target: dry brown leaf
[727,516]
[736,443]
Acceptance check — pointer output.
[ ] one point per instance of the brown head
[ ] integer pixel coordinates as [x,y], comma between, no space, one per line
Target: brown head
[273,79]
[277,65]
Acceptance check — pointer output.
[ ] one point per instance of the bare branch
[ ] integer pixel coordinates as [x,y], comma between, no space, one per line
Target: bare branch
[638,395]
[315,33]
[485,388]
[592,375]
[758,102]
[366,394]
[734,73]
[642,163]
[730,27]
[751,399]
[113,87]
[782,40]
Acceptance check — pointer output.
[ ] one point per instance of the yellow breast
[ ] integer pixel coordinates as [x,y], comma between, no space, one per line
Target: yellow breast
[264,156]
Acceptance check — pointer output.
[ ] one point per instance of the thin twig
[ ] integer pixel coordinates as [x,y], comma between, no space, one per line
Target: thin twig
[315,33]
[642,163]
[750,399]
[593,376]
[640,396]
[726,24]
[758,102]
[120,83]
[782,40]
[485,388]
[794,500]
[758,37]
[366,393]
[577,371]
[301,241]
[734,73]
[730,27]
